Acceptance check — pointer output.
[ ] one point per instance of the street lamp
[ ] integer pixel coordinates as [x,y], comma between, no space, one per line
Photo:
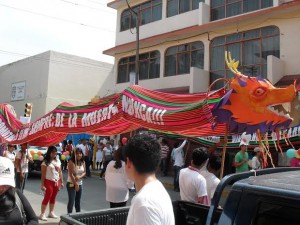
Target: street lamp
[137,26]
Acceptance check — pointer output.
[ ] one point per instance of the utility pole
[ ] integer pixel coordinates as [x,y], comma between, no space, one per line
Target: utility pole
[137,26]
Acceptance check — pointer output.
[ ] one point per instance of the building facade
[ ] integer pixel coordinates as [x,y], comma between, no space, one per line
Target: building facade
[51,78]
[182,42]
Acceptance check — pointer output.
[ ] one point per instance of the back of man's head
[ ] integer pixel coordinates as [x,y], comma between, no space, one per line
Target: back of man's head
[199,156]
[214,163]
[144,152]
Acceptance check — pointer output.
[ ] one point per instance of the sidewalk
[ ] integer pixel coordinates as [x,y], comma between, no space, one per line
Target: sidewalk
[166,181]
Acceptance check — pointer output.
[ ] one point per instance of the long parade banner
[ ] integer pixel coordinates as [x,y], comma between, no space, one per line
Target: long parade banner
[135,107]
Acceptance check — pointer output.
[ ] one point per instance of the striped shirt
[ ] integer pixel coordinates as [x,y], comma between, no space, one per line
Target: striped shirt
[164,151]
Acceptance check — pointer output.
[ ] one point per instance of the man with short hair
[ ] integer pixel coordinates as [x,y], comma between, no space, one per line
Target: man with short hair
[152,204]
[192,184]
[86,152]
[208,172]
[241,159]
[107,157]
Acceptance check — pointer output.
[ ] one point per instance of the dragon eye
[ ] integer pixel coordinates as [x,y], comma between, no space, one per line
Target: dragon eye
[259,91]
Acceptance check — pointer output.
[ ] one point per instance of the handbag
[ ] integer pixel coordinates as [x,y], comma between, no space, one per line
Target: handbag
[21,209]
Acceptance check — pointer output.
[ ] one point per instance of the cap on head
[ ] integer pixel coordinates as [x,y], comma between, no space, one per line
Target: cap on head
[256,149]
[7,172]
[243,144]
[245,139]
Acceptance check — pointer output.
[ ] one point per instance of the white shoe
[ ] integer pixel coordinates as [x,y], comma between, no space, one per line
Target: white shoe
[52,215]
[43,217]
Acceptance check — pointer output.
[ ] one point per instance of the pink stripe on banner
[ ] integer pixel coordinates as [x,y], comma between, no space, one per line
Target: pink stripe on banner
[148,103]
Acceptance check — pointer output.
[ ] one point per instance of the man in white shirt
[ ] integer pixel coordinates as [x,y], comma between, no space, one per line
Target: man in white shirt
[178,155]
[192,183]
[152,204]
[207,171]
[86,151]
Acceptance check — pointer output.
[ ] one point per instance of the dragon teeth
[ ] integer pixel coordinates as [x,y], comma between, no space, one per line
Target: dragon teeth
[286,106]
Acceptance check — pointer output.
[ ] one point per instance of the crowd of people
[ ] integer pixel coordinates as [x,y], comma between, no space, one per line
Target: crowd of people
[132,164]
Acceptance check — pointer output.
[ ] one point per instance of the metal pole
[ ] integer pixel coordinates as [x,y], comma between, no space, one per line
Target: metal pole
[137,58]
[137,26]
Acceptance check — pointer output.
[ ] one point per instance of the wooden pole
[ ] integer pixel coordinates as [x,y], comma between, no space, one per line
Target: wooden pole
[224,151]
[187,149]
[74,152]
[94,152]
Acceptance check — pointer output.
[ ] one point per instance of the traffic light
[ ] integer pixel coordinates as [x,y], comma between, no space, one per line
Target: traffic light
[28,110]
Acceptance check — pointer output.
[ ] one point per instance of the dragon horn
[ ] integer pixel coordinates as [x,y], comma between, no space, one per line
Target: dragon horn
[232,64]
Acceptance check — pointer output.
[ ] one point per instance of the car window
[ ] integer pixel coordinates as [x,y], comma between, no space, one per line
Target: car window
[277,214]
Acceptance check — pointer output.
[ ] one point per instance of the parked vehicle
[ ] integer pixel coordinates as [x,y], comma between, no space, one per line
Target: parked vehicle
[264,197]
[37,154]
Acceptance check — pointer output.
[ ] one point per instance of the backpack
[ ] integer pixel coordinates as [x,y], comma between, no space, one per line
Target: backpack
[21,208]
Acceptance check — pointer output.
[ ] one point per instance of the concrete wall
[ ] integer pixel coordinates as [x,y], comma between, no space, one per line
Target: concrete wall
[76,80]
[52,78]
[34,71]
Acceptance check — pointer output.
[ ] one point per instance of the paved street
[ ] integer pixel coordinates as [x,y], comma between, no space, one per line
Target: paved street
[93,197]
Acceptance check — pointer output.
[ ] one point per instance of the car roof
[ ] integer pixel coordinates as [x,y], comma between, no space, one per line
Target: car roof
[289,180]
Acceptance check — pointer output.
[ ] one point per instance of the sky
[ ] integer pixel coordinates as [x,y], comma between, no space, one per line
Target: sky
[79,27]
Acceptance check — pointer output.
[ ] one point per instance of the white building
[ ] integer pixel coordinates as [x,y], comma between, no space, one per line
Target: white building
[182,42]
[50,78]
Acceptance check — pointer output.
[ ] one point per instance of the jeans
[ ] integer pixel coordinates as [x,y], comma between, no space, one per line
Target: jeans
[176,177]
[20,184]
[73,196]
[164,167]
[104,168]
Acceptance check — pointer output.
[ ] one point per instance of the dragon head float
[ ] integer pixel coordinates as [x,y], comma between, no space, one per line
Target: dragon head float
[253,104]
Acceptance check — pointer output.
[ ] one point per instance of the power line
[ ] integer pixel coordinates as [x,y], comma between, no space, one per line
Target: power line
[58,18]
[86,6]
[96,2]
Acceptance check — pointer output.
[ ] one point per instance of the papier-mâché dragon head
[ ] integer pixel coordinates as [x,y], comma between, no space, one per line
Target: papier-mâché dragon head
[253,103]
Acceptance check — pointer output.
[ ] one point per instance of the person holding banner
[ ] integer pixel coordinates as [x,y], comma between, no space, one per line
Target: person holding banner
[178,154]
[23,157]
[9,153]
[76,171]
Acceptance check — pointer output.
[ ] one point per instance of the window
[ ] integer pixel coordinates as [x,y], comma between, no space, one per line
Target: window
[179,59]
[226,8]
[149,67]
[149,12]
[277,213]
[175,7]
[251,48]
